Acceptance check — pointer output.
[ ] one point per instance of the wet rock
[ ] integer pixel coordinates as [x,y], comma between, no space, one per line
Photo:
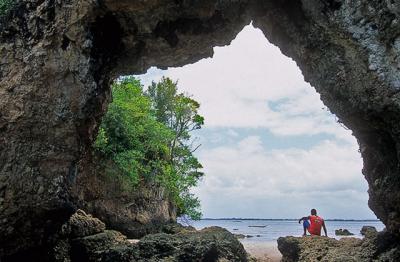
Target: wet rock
[368,231]
[175,228]
[290,248]
[240,236]
[84,238]
[87,248]
[343,232]
[81,224]
[380,247]
[209,244]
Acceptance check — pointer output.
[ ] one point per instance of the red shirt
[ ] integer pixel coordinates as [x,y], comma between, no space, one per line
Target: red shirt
[315,225]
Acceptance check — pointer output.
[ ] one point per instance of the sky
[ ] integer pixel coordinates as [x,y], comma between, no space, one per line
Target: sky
[269,146]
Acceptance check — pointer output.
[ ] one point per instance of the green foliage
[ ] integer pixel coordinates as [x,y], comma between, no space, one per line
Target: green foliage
[5,6]
[147,136]
[179,112]
[130,135]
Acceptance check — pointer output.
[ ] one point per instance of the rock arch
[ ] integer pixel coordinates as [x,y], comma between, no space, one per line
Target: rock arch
[57,59]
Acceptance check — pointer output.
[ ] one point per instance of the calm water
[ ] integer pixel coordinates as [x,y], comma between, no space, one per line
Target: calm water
[277,228]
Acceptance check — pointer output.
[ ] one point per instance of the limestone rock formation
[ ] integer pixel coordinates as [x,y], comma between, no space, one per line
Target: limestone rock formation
[84,238]
[80,225]
[343,232]
[368,231]
[133,211]
[209,244]
[382,246]
[57,59]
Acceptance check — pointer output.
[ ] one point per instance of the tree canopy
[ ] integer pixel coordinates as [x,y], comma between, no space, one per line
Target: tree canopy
[147,134]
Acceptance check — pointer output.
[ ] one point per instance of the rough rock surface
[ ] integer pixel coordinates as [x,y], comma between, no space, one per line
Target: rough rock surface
[382,246]
[84,238]
[57,59]
[110,197]
[79,239]
[343,232]
[81,224]
[209,244]
[368,231]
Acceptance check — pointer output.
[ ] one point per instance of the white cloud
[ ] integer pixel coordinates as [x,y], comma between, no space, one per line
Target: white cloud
[232,133]
[250,84]
[321,176]
[239,85]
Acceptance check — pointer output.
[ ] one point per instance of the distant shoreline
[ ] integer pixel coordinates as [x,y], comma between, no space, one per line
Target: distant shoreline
[292,219]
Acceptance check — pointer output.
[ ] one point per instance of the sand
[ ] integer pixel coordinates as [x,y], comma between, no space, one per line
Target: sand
[263,251]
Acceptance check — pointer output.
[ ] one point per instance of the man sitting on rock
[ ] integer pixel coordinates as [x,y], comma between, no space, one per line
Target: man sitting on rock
[315,224]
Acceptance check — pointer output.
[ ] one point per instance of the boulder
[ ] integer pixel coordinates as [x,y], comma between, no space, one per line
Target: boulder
[81,224]
[239,236]
[84,238]
[209,244]
[212,244]
[174,228]
[368,231]
[290,248]
[87,248]
[343,232]
[382,246]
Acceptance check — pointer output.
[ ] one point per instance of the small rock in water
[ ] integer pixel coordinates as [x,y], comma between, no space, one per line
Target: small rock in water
[368,231]
[239,236]
[343,232]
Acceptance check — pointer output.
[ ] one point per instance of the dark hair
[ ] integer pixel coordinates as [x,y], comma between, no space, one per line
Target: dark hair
[313,212]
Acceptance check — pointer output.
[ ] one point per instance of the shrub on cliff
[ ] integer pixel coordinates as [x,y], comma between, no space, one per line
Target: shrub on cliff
[147,136]
[130,134]
[5,5]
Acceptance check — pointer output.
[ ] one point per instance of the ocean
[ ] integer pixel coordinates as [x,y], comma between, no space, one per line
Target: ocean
[267,230]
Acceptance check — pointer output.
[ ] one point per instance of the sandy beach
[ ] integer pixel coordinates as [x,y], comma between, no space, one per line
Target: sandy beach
[263,251]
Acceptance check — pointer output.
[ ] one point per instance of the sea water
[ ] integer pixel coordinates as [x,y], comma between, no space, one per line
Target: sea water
[266,230]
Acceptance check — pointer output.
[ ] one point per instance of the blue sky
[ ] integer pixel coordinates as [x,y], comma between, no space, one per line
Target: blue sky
[269,147]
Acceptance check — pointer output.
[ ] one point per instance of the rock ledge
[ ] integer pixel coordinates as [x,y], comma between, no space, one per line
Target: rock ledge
[381,246]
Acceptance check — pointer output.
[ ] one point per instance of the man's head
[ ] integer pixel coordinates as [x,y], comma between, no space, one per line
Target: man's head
[313,212]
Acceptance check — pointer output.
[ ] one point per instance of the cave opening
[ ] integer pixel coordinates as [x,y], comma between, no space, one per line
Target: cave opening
[58,58]
[268,140]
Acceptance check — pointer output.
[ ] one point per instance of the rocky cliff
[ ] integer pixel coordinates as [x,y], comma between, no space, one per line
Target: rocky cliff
[57,59]
[110,196]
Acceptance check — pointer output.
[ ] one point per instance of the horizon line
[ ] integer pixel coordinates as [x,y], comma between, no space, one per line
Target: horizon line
[295,219]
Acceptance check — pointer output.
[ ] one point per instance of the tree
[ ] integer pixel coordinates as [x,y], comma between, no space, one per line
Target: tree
[147,135]
[130,135]
[180,113]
